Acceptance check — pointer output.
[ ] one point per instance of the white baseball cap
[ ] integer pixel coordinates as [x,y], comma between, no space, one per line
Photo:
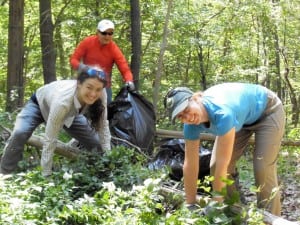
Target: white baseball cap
[104,25]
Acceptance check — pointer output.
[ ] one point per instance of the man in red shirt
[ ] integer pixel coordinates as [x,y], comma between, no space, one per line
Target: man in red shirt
[101,51]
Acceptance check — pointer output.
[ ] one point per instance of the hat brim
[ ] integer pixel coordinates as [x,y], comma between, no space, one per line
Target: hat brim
[105,28]
[180,108]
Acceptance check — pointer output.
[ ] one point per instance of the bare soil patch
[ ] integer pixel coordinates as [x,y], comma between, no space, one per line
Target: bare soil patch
[289,176]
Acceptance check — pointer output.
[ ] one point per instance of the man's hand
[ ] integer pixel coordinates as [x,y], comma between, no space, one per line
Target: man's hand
[130,85]
[83,68]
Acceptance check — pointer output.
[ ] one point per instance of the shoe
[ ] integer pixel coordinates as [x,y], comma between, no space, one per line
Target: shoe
[75,144]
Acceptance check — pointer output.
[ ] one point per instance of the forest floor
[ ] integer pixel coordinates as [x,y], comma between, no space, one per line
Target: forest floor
[289,178]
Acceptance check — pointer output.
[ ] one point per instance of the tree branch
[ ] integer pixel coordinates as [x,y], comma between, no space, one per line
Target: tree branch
[37,141]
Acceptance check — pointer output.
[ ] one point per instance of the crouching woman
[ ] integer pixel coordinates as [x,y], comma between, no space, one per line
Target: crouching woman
[62,104]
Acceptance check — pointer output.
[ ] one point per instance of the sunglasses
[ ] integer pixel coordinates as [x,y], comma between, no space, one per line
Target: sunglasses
[97,73]
[106,33]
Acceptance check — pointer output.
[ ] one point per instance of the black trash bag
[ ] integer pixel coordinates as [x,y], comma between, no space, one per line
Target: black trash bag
[132,118]
[171,153]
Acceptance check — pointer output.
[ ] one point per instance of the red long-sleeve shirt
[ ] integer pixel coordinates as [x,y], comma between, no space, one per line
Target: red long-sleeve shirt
[92,53]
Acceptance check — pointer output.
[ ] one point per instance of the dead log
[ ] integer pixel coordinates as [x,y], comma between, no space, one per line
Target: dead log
[61,148]
[179,134]
[37,141]
[269,218]
[161,133]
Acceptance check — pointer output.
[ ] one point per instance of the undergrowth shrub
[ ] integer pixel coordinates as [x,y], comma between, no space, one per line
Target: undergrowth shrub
[100,189]
[113,188]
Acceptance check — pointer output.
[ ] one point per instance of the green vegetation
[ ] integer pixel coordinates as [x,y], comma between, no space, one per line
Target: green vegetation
[97,189]
[113,188]
[209,42]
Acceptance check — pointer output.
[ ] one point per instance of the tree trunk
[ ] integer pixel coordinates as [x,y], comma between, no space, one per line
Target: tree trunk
[61,148]
[47,45]
[63,64]
[135,41]
[277,64]
[203,81]
[36,141]
[15,80]
[209,137]
[160,58]
[292,91]
[63,67]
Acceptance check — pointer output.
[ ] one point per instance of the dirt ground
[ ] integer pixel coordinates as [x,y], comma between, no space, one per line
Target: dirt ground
[291,198]
[289,176]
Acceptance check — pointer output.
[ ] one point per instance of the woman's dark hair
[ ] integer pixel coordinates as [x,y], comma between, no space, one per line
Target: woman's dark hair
[95,111]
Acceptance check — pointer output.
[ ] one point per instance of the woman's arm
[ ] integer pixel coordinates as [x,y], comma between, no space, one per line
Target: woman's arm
[53,125]
[224,148]
[191,169]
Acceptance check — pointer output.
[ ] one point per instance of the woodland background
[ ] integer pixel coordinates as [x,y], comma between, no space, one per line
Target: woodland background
[167,44]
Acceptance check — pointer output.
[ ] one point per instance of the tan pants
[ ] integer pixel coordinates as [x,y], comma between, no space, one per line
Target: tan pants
[268,133]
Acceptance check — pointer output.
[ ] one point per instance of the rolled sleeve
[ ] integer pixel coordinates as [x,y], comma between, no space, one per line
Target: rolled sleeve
[47,156]
[53,126]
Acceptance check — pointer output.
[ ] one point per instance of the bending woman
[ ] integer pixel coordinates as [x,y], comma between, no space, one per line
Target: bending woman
[233,112]
[62,104]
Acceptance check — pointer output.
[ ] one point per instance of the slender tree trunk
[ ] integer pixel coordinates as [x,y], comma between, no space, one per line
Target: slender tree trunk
[188,66]
[47,44]
[63,67]
[15,80]
[203,81]
[277,64]
[63,62]
[277,55]
[264,53]
[160,58]
[135,40]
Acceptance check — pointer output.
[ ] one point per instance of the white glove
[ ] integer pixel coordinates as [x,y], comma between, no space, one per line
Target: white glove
[130,85]
[83,68]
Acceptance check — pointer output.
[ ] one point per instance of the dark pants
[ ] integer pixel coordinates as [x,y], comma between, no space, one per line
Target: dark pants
[27,121]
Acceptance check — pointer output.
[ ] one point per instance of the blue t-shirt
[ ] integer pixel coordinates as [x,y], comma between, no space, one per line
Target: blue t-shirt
[229,105]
